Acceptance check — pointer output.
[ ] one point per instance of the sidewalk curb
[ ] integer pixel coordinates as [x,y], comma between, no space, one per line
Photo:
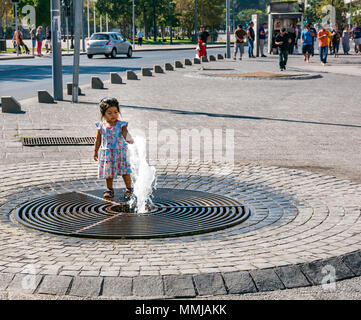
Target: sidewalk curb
[16,58]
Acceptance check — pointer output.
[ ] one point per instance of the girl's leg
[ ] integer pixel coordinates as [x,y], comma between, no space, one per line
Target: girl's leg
[109,183]
[127,181]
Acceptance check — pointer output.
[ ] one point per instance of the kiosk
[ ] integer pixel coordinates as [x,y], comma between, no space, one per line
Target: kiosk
[283,14]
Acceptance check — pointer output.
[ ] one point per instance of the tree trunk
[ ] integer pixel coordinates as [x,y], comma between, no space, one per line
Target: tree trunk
[145,23]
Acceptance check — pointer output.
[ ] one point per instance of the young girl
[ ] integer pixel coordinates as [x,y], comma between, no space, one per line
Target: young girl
[112,138]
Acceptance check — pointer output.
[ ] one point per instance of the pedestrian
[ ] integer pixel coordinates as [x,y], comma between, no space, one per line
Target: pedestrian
[314,37]
[33,38]
[110,148]
[251,37]
[47,40]
[204,36]
[23,44]
[292,35]
[140,37]
[336,39]
[16,41]
[356,35]
[306,43]
[39,40]
[346,40]
[283,42]
[262,38]
[240,36]
[323,40]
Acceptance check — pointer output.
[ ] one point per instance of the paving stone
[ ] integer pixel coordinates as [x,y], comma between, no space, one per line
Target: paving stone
[179,286]
[313,271]
[86,286]
[342,270]
[117,287]
[209,284]
[145,286]
[292,277]
[55,285]
[239,282]
[353,261]
[26,283]
[5,279]
[266,280]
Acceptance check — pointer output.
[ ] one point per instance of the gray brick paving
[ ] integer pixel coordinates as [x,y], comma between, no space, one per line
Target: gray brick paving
[117,287]
[148,286]
[56,285]
[301,211]
[239,283]
[209,284]
[86,286]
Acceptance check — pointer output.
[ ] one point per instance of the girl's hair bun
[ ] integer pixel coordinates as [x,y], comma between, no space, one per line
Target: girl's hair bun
[107,103]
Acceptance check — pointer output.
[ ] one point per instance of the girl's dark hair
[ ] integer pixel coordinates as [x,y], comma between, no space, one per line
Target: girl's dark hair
[107,103]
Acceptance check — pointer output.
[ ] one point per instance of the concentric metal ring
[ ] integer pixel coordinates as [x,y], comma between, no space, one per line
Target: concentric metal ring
[174,213]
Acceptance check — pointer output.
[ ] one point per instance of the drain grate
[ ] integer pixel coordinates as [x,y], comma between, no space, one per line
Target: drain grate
[57,141]
[174,213]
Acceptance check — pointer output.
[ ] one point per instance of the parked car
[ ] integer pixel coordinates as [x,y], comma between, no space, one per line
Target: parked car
[108,43]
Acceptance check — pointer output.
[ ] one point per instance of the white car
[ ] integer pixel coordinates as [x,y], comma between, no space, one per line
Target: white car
[108,43]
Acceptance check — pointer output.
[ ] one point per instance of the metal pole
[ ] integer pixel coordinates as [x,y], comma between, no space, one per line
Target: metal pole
[133,24]
[107,22]
[195,21]
[95,21]
[228,29]
[67,32]
[56,44]
[87,4]
[76,58]
[82,26]
[16,29]
[154,21]
[101,23]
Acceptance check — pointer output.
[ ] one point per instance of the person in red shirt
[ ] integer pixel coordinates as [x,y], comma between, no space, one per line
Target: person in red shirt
[322,36]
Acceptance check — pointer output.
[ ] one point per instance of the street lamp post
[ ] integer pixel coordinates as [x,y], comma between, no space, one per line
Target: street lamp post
[56,45]
[87,5]
[195,21]
[171,21]
[16,28]
[133,27]
[154,21]
[228,29]
[95,21]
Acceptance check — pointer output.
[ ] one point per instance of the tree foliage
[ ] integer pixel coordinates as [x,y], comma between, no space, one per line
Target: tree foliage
[245,16]
[42,9]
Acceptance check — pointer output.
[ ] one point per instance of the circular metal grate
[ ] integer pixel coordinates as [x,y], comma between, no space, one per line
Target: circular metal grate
[174,213]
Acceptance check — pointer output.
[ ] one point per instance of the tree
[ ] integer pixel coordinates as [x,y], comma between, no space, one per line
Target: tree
[356,13]
[5,9]
[245,16]
[42,9]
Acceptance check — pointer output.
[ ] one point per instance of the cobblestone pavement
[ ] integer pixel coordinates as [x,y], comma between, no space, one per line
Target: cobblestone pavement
[296,168]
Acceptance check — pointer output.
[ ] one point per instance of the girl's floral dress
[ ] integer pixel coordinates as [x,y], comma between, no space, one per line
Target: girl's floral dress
[113,158]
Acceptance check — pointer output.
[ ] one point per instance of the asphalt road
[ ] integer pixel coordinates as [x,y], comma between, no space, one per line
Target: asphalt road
[23,78]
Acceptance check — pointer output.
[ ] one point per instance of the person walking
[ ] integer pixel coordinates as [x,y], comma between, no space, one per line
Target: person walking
[262,38]
[314,37]
[240,36]
[356,35]
[346,40]
[292,35]
[306,43]
[251,37]
[140,37]
[17,41]
[323,39]
[283,41]
[336,39]
[39,40]
[204,36]
[33,38]
[47,40]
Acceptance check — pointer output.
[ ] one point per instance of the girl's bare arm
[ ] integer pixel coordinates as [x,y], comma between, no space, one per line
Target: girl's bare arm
[126,135]
[97,143]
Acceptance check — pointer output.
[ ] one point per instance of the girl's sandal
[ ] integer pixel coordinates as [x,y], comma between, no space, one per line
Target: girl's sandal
[108,194]
[128,193]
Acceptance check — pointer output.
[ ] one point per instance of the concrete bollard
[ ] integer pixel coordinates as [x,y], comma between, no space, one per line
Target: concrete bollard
[178,64]
[115,78]
[146,72]
[45,97]
[219,56]
[196,61]
[131,75]
[168,67]
[187,62]
[158,69]
[204,59]
[97,83]
[69,89]
[10,105]
[212,58]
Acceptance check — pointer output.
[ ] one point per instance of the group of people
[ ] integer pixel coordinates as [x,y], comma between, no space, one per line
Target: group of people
[37,37]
